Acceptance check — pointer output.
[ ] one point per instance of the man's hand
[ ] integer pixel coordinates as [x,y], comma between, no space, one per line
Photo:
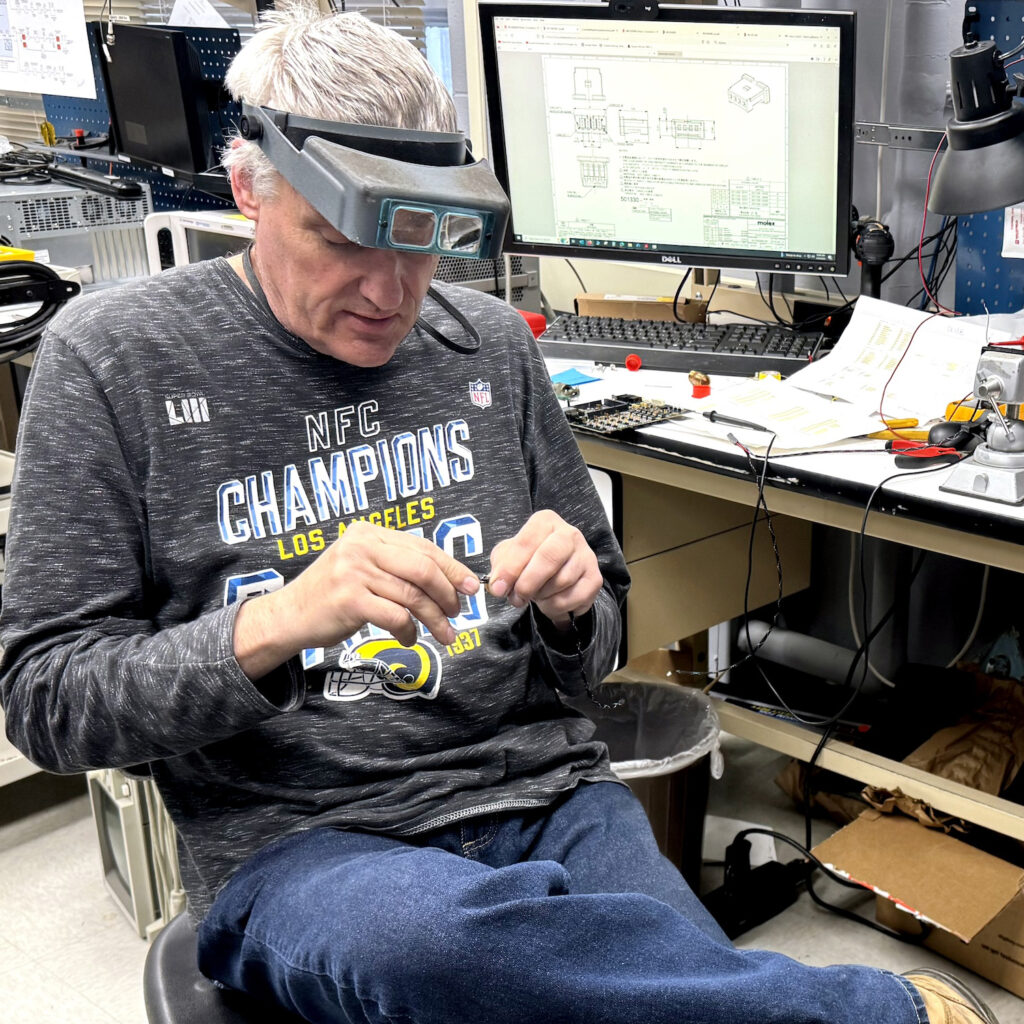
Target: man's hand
[369,575]
[549,563]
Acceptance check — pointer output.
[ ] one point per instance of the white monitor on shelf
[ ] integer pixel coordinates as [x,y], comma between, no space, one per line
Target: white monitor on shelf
[177,237]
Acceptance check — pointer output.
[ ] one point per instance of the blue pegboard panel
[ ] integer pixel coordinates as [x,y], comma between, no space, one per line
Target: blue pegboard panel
[984,278]
[215,47]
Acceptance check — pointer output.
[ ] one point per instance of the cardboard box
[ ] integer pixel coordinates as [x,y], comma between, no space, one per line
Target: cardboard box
[639,307]
[666,665]
[924,877]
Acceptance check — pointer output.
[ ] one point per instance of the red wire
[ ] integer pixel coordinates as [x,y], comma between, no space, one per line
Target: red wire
[920,245]
[881,401]
[940,309]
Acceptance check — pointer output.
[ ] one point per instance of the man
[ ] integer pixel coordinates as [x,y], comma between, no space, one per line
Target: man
[289,471]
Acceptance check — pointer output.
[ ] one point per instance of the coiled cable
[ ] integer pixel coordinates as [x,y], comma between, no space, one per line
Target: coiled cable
[26,282]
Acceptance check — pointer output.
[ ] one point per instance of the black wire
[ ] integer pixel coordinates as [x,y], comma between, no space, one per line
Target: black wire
[936,278]
[752,648]
[767,301]
[455,346]
[714,288]
[932,263]
[576,272]
[945,239]
[759,505]
[940,237]
[803,850]
[22,164]
[771,292]
[863,651]
[815,863]
[583,670]
[829,723]
[1012,53]
[675,298]
[746,316]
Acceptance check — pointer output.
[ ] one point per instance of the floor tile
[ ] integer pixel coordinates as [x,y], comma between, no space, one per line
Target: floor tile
[12,959]
[41,997]
[105,967]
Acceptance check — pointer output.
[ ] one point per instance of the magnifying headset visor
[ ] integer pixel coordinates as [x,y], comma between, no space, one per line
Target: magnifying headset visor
[386,188]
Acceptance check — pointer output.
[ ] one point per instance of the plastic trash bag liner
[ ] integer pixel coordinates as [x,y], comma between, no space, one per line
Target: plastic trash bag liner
[659,728]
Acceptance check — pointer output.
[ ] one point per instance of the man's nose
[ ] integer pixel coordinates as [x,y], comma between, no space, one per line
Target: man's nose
[382,281]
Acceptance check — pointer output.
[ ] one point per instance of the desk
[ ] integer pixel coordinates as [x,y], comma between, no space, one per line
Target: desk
[830,488]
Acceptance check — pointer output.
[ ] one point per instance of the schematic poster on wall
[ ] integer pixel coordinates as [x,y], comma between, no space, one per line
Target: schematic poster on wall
[44,48]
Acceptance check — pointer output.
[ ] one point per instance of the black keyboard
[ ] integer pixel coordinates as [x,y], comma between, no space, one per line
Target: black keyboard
[738,350]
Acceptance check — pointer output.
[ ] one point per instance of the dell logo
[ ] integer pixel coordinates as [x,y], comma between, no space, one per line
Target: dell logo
[671,259]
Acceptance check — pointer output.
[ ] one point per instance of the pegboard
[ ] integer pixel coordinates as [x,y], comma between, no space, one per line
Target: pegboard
[215,48]
[983,275]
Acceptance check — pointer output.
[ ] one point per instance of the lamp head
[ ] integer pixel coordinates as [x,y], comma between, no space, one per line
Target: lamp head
[983,169]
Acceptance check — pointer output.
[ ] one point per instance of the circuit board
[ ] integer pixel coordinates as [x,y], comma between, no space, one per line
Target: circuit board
[618,413]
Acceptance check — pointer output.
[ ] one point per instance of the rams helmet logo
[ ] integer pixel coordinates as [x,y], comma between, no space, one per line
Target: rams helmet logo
[382,664]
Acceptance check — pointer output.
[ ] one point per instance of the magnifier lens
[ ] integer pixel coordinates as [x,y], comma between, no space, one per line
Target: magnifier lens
[460,232]
[413,227]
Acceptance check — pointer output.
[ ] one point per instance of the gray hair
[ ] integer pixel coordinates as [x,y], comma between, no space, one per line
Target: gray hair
[337,67]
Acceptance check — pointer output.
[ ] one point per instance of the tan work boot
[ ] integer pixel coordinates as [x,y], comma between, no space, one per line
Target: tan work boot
[947,999]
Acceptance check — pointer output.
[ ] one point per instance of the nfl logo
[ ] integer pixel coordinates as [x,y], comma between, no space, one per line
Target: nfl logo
[480,393]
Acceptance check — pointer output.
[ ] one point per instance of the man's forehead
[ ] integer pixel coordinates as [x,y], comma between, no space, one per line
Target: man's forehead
[304,213]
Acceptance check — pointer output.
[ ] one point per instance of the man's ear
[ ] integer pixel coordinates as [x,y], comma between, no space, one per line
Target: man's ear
[241,188]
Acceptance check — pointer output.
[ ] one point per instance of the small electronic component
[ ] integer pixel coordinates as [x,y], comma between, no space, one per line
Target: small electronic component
[618,413]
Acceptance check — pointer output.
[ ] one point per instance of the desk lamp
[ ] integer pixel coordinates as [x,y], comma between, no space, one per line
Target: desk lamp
[983,169]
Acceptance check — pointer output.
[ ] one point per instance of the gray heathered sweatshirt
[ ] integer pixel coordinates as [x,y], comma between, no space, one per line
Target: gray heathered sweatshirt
[179,452]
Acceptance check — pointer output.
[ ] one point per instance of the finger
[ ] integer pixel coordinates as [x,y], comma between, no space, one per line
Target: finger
[393,619]
[421,574]
[408,597]
[566,579]
[559,555]
[460,576]
[509,557]
[577,599]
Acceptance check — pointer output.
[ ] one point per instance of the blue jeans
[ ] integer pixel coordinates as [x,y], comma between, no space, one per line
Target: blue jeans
[564,915]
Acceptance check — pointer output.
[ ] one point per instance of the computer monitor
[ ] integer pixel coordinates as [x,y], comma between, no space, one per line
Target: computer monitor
[706,136]
[159,101]
[121,815]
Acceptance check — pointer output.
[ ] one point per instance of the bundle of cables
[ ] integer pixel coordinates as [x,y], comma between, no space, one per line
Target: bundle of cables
[23,282]
[20,165]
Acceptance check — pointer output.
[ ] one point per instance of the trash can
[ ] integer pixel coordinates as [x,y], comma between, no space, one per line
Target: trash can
[663,743]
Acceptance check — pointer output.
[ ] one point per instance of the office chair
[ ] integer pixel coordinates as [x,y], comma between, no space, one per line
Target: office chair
[176,993]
